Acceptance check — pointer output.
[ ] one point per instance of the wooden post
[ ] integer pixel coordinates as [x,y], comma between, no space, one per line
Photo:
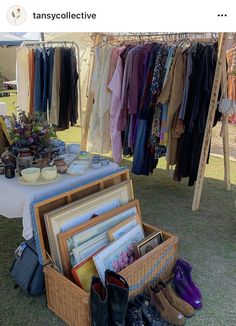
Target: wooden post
[225,131]
[226,152]
[89,107]
[210,121]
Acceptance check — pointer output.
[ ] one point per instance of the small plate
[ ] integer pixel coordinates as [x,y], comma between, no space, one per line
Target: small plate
[41,181]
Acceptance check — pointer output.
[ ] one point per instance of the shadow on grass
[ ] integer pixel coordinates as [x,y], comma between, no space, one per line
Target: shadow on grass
[205,240]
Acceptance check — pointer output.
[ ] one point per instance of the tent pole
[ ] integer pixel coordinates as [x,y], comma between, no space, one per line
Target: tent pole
[210,121]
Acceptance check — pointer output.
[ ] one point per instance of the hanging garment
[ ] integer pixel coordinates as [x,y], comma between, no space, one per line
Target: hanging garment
[113,62]
[50,52]
[115,86]
[55,98]
[99,135]
[84,73]
[38,80]
[143,160]
[231,76]
[74,89]
[200,88]
[31,79]
[68,89]
[22,78]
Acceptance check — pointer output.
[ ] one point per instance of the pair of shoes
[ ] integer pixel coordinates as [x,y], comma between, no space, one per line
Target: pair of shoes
[169,305]
[108,304]
[165,309]
[142,313]
[185,286]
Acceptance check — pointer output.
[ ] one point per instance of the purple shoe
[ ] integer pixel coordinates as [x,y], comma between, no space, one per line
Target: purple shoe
[184,289]
[187,268]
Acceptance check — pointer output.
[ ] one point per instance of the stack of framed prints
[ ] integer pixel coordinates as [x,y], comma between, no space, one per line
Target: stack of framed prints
[100,229]
[83,241]
[77,213]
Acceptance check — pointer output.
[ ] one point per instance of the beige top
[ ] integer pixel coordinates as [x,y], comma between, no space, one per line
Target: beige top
[55,102]
[173,89]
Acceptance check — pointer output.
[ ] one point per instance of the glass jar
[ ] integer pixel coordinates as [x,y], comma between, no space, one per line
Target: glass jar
[2,168]
[61,165]
[8,158]
[9,171]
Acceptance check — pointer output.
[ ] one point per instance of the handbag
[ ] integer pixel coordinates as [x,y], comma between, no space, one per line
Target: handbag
[26,269]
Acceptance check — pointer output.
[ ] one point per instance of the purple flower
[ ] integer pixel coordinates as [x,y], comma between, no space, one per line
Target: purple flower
[125,260]
[123,254]
[115,265]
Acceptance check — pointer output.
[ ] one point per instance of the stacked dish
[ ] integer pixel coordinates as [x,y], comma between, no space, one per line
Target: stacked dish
[35,176]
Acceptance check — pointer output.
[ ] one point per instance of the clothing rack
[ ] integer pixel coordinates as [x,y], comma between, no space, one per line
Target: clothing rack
[193,37]
[62,44]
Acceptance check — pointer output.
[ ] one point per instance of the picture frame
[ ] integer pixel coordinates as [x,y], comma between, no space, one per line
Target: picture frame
[122,228]
[82,273]
[119,254]
[80,235]
[68,216]
[149,243]
[5,125]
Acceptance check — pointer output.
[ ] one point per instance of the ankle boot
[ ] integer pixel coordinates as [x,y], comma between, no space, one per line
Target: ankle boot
[118,296]
[184,289]
[185,308]
[98,303]
[150,314]
[166,310]
[187,268]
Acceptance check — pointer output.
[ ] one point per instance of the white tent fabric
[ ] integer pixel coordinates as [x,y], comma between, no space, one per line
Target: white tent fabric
[7,39]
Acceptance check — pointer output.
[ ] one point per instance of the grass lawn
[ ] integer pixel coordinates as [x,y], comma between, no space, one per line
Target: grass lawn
[206,238]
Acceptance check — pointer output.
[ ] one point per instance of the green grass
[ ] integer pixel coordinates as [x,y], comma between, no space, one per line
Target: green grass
[68,136]
[206,238]
[11,102]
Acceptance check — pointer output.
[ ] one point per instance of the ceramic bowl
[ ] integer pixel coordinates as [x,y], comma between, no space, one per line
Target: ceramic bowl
[49,173]
[84,164]
[73,148]
[30,174]
[75,169]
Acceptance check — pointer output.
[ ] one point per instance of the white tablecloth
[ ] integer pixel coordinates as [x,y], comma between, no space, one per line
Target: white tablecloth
[15,198]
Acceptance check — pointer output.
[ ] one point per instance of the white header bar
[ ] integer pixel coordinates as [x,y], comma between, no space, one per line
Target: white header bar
[118,16]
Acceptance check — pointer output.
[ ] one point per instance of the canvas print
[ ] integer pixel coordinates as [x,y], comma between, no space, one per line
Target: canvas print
[119,254]
[76,242]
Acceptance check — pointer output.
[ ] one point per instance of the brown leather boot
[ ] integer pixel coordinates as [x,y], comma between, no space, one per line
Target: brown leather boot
[185,308]
[165,309]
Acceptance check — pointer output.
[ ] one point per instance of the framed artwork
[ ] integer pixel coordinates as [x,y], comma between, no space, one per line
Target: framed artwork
[119,254]
[149,243]
[122,228]
[5,125]
[89,247]
[83,241]
[83,273]
[80,211]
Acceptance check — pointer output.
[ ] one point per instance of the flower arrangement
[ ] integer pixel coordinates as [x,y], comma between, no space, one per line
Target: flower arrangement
[124,259]
[31,129]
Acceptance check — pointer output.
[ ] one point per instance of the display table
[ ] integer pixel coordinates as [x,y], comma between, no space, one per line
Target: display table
[15,198]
